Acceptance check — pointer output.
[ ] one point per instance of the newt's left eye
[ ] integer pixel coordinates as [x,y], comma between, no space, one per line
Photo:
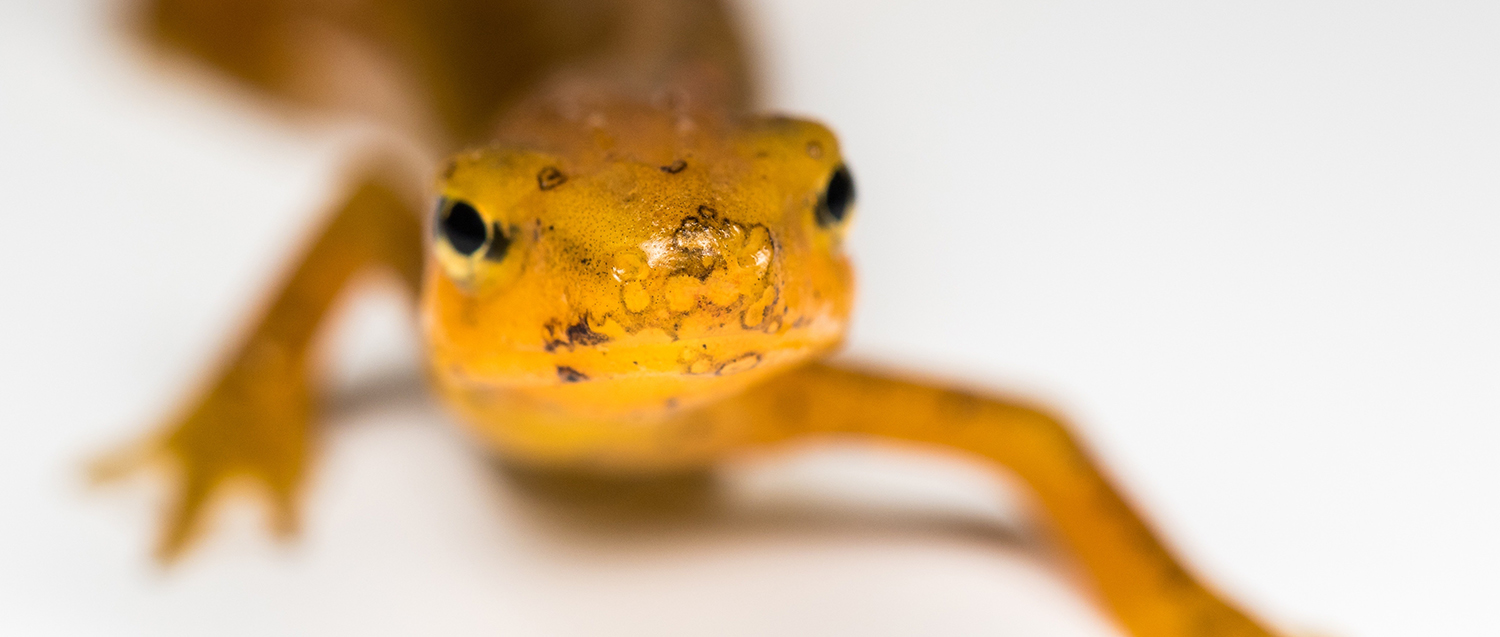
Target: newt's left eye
[475,250]
[837,197]
[462,226]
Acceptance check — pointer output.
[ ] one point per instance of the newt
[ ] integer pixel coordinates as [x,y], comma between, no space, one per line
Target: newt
[626,272]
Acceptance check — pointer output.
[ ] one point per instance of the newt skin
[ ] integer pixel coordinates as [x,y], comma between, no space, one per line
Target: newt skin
[627,272]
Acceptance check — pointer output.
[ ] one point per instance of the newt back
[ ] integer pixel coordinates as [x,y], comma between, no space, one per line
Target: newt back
[459,64]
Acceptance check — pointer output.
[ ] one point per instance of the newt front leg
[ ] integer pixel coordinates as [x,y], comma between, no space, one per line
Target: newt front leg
[254,422]
[1139,579]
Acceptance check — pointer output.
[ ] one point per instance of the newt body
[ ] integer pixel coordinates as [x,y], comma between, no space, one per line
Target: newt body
[626,271]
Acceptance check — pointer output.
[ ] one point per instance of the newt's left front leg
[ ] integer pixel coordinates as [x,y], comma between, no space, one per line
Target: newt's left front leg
[253,422]
[1140,581]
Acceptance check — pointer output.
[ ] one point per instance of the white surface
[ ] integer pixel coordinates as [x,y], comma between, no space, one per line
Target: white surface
[1250,246]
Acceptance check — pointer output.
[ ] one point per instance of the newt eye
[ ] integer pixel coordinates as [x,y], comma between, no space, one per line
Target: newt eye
[838,195]
[461,225]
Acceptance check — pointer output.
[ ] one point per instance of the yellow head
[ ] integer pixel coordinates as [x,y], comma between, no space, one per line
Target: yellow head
[627,260]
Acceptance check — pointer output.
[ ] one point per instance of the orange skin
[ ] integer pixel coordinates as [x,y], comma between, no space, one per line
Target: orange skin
[626,273]
[678,262]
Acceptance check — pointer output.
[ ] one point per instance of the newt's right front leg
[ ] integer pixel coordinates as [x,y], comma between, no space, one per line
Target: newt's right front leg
[254,421]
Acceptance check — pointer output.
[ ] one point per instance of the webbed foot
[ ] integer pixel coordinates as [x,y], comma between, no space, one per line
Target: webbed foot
[251,427]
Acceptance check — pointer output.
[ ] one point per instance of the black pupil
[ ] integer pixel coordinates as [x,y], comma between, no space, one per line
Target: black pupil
[837,197]
[463,227]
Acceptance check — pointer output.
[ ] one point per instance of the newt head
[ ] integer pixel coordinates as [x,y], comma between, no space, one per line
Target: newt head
[632,259]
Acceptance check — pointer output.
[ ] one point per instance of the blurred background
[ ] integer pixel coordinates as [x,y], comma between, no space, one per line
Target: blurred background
[1249,246]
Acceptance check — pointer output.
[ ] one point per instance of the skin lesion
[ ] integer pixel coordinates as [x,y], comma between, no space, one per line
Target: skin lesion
[710,267]
[743,363]
[569,375]
[575,335]
[713,264]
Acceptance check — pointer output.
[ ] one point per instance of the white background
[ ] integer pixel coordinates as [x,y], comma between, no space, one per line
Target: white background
[1249,245]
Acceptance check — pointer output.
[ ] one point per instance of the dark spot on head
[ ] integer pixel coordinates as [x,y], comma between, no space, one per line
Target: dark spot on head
[675,167]
[550,178]
[740,364]
[499,244]
[671,403]
[838,195]
[449,169]
[580,334]
[461,225]
[570,375]
[707,212]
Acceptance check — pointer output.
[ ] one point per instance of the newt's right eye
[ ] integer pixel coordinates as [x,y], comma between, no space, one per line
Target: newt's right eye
[462,226]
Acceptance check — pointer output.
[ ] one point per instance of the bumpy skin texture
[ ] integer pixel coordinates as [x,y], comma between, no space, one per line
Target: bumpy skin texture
[626,274]
[675,261]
